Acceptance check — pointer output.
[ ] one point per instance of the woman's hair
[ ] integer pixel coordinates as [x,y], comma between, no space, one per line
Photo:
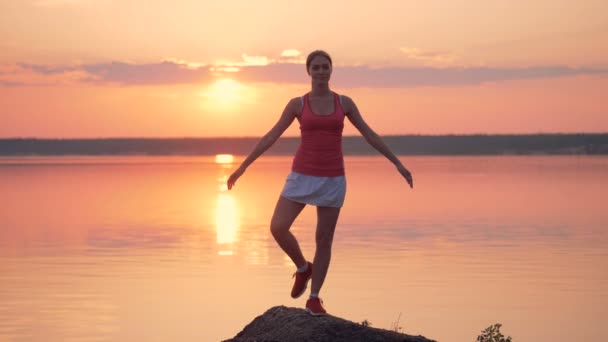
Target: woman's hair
[314,54]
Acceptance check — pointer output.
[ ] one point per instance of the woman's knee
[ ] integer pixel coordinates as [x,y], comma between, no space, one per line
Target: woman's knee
[278,228]
[324,240]
[285,213]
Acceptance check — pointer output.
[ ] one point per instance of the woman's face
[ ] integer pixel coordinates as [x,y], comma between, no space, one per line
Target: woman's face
[320,69]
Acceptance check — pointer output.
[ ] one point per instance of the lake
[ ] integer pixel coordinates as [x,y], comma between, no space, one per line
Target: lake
[138,248]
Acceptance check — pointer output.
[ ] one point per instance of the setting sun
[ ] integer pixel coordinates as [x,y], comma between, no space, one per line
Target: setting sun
[225,94]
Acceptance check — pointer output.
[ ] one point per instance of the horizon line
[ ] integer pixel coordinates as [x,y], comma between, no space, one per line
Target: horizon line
[297,136]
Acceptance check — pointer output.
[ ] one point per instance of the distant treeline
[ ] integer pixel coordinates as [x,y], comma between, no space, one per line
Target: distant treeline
[355,145]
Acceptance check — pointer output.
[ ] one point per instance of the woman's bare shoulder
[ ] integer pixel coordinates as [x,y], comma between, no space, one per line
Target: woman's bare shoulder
[346,98]
[347,103]
[295,105]
[296,100]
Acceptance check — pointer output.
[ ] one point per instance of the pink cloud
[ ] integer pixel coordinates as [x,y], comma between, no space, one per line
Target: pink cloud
[169,72]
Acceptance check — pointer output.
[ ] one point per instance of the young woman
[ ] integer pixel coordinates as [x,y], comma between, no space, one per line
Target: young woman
[317,176]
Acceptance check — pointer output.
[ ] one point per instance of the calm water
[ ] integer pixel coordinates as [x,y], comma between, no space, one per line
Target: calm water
[154,249]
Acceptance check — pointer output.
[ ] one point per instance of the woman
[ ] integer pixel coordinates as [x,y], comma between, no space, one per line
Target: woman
[317,176]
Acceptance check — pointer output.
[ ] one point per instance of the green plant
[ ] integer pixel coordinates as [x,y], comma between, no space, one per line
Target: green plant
[493,334]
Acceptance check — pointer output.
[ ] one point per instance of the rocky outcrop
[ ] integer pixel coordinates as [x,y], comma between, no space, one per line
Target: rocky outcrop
[283,324]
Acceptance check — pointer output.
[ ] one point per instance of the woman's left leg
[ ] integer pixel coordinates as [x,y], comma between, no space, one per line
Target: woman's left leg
[327,217]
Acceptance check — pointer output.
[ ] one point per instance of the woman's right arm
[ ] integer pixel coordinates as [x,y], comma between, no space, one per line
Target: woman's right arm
[289,114]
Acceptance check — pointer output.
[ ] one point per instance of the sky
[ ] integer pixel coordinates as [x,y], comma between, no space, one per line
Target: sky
[198,68]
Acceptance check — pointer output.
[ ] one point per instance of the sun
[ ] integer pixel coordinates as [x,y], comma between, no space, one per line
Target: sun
[226,90]
[225,93]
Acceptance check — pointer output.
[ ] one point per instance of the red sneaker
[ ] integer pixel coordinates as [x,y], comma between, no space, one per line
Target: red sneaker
[302,278]
[314,306]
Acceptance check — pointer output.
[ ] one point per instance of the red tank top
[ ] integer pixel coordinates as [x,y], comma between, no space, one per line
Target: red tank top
[320,151]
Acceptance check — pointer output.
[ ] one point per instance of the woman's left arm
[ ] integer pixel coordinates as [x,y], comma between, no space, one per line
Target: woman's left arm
[354,116]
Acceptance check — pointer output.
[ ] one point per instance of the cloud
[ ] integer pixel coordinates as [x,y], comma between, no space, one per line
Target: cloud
[47,70]
[425,76]
[274,73]
[253,69]
[155,73]
[255,60]
[246,60]
[436,58]
[189,64]
[221,69]
[291,56]
[290,53]
[394,77]
[15,75]
[122,73]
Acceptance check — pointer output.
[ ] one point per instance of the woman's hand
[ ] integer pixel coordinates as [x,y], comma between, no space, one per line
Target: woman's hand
[406,174]
[233,177]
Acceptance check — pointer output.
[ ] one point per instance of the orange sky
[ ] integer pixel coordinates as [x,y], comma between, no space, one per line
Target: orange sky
[103,68]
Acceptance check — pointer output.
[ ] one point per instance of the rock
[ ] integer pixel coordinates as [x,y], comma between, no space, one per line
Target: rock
[283,324]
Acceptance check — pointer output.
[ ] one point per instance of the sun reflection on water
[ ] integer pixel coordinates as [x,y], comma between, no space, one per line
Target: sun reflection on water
[226,219]
[225,159]
[226,214]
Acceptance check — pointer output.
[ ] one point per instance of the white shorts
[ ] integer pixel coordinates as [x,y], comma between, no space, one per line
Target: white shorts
[319,191]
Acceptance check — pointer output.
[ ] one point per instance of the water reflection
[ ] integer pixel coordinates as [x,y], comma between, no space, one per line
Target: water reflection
[516,240]
[226,218]
[226,213]
[224,159]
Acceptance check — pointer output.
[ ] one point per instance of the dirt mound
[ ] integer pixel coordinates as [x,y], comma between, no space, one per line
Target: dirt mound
[283,324]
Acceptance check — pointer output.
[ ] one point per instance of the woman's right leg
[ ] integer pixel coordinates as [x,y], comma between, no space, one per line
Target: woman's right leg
[285,213]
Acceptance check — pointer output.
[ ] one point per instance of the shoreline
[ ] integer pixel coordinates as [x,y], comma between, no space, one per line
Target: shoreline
[411,145]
